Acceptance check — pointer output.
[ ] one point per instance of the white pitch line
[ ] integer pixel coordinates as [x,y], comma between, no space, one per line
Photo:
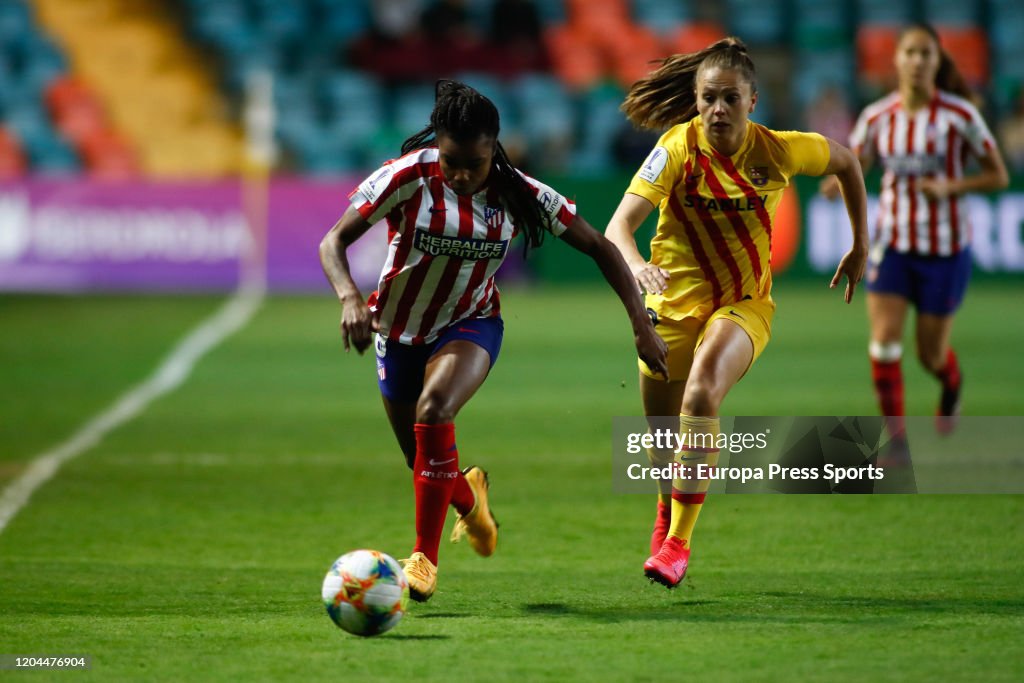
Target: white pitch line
[169,375]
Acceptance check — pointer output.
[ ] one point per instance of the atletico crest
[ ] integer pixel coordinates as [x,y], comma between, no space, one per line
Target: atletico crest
[494,216]
[759,175]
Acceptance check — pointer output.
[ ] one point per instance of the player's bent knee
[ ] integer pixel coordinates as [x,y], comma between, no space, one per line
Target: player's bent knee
[930,360]
[699,400]
[433,408]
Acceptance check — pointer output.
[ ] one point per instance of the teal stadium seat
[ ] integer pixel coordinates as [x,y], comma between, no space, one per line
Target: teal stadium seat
[820,25]
[413,105]
[47,152]
[822,69]
[885,12]
[601,122]
[546,115]
[952,13]
[757,22]
[340,21]
[662,17]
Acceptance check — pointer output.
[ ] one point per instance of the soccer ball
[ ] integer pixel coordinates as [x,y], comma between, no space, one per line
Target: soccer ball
[365,592]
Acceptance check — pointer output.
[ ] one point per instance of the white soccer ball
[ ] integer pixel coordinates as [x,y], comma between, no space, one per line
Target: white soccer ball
[365,592]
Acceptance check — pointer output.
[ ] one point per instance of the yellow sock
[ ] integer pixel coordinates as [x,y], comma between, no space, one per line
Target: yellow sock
[701,434]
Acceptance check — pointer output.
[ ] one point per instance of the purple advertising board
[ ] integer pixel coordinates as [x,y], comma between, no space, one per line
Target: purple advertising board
[77,235]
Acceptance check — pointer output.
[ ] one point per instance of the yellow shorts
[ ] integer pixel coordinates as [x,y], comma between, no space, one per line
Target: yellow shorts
[684,337]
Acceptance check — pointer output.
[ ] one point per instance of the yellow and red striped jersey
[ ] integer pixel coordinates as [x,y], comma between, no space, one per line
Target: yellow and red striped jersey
[715,225]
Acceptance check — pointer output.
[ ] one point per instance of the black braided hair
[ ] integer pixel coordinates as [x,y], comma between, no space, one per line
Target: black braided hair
[463,114]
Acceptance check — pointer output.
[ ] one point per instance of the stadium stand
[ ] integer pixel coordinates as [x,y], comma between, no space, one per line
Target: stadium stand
[116,88]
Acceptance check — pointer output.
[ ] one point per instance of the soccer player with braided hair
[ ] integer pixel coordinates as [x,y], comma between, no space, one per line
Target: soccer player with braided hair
[716,178]
[452,203]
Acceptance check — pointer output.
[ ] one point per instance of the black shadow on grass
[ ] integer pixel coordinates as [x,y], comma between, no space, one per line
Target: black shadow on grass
[670,611]
[444,615]
[425,636]
[882,605]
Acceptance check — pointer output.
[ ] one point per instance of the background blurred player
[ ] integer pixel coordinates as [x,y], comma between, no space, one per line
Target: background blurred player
[716,179]
[922,133]
[453,203]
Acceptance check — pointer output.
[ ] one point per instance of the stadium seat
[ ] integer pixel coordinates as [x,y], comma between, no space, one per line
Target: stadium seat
[969,49]
[494,90]
[577,61]
[693,36]
[662,17]
[52,156]
[107,156]
[547,119]
[952,13]
[756,21]
[413,105]
[12,157]
[552,12]
[280,22]
[635,53]
[1006,26]
[602,120]
[876,45]
[345,88]
[598,18]
[341,20]
[820,25]
[822,69]
[886,12]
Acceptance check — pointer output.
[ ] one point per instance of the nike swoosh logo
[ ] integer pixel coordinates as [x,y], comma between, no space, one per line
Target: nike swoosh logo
[466,329]
[737,315]
[438,463]
[434,209]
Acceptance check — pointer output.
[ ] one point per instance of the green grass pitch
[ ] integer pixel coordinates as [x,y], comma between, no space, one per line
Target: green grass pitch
[191,543]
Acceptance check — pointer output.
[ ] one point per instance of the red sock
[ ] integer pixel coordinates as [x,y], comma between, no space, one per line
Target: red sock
[950,374]
[463,499]
[888,377]
[689,498]
[434,475]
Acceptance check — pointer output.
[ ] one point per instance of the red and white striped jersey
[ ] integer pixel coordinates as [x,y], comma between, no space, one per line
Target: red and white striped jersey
[443,248]
[932,142]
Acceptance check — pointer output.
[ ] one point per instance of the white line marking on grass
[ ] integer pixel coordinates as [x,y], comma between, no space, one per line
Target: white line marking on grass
[232,316]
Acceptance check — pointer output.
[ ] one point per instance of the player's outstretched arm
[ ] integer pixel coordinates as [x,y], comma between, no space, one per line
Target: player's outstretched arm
[829,186]
[357,324]
[632,211]
[847,170]
[649,346]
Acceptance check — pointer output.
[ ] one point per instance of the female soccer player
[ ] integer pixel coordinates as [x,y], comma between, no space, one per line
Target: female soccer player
[716,178]
[452,203]
[922,133]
